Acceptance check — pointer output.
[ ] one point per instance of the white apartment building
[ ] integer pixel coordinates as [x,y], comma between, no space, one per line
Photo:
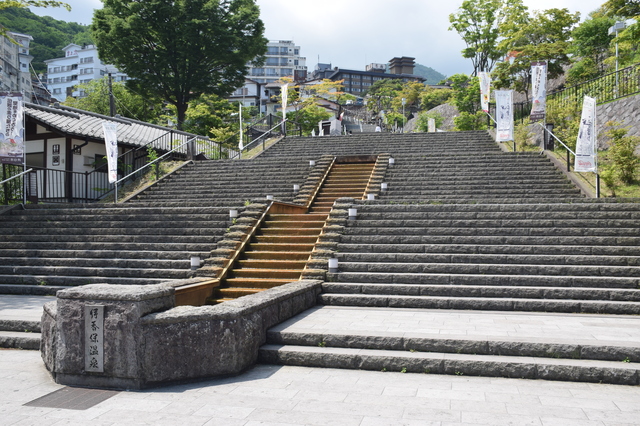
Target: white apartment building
[15,62]
[282,60]
[79,65]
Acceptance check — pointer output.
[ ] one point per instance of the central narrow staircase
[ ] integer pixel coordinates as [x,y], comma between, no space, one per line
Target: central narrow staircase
[281,247]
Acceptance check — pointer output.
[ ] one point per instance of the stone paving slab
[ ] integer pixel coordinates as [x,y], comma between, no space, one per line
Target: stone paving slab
[269,395]
[583,329]
[23,308]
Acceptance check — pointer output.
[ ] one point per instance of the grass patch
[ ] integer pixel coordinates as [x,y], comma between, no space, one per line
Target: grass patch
[149,178]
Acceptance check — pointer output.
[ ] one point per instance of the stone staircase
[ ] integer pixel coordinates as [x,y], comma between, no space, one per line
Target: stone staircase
[493,264]
[279,251]
[554,257]
[230,182]
[45,247]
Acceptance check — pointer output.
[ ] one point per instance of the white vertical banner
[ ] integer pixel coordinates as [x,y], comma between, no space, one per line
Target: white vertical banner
[504,115]
[11,129]
[538,90]
[285,96]
[110,130]
[431,125]
[485,90]
[585,160]
[240,144]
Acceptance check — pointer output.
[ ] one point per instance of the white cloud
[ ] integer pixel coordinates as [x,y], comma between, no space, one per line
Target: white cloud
[354,33]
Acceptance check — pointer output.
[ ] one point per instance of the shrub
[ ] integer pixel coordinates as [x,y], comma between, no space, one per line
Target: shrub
[621,152]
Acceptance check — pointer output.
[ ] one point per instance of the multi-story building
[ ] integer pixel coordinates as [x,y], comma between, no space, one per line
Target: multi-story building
[358,82]
[15,61]
[79,65]
[282,60]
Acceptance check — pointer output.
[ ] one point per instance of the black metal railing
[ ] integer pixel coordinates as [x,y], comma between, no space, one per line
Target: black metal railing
[257,133]
[53,185]
[607,88]
[12,184]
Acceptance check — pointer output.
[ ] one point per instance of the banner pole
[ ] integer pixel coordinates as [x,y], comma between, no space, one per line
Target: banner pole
[24,152]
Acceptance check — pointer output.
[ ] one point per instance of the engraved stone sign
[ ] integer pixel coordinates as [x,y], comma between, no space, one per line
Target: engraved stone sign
[94,338]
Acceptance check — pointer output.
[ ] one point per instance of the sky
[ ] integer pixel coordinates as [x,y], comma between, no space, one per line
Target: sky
[354,33]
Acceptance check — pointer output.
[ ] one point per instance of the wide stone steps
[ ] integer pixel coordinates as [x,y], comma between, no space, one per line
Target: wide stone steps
[499,247]
[501,259]
[149,237]
[533,228]
[46,247]
[89,262]
[72,280]
[231,182]
[494,268]
[104,271]
[521,279]
[56,255]
[567,347]
[132,228]
[450,363]
[478,291]
[484,303]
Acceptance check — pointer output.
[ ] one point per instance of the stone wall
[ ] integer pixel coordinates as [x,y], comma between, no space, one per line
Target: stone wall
[147,341]
[625,110]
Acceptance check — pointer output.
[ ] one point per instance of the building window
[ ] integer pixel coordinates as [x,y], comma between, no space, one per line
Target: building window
[272,50]
[57,91]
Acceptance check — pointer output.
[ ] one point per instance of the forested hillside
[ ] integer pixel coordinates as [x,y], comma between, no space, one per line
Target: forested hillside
[49,35]
[432,76]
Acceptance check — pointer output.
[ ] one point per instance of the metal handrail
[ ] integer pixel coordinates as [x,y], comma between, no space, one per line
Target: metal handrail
[570,151]
[16,176]
[117,182]
[253,142]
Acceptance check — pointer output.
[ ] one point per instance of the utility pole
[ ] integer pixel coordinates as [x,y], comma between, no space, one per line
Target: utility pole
[112,101]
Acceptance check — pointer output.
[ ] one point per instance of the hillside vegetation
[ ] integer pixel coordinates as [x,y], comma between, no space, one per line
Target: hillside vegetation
[49,35]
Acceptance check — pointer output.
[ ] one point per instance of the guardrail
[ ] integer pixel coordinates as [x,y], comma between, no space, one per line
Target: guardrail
[10,187]
[156,163]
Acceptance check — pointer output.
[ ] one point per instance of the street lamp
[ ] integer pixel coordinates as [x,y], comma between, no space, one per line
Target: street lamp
[615,29]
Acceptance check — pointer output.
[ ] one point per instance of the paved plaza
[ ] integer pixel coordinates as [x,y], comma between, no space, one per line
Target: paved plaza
[272,395]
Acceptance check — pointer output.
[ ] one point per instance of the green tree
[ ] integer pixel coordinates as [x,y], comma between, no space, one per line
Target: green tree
[432,98]
[381,95]
[128,104]
[543,36]
[466,98]
[210,115]
[478,22]
[622,8]
[591,41]
[181,49]
[305,99]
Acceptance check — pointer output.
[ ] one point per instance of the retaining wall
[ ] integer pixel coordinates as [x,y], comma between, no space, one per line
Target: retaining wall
[148,341]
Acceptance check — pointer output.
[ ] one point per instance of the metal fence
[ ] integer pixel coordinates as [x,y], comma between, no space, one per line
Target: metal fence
[607,88]
[61,186]
[256,133]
